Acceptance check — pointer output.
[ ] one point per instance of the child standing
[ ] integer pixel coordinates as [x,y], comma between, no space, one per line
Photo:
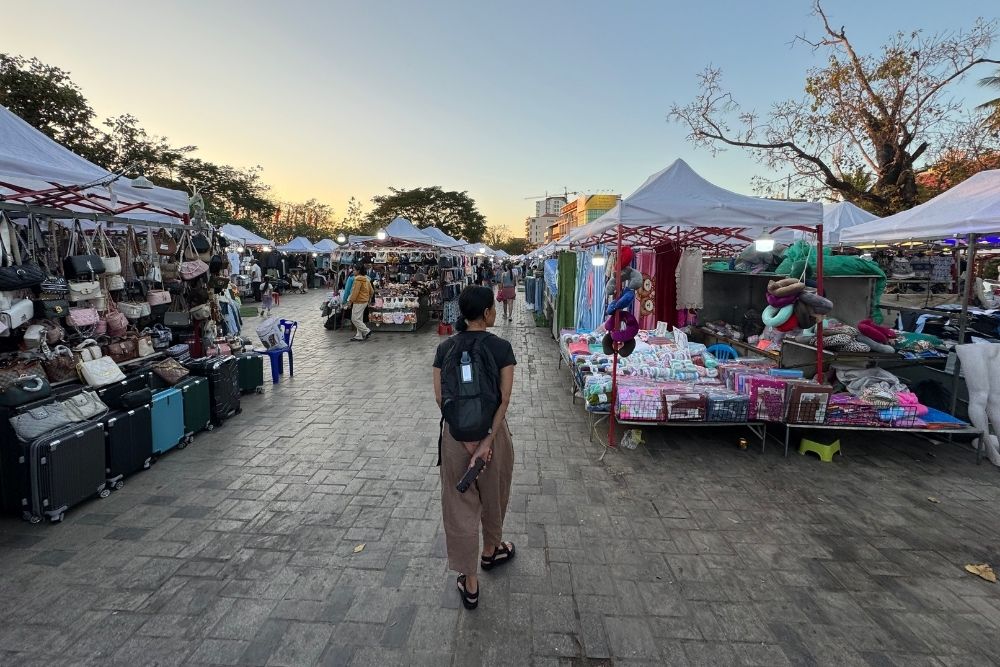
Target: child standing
[266,297]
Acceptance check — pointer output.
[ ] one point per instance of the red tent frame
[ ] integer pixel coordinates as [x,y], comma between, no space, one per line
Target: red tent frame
[708,238]
[62,196]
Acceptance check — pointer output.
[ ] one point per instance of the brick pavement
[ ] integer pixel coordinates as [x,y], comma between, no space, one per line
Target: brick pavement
[240,549]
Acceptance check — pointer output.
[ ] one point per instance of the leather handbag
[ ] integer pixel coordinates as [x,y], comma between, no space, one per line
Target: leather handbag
[155,297]
[83,406]
[140,264]
[217,263]
[190,269]
[33,336]
[52,309]
[107,252]
[134,310]
[85,264]
[122,350]
[16,274]
[166,246]
[82,317]
[115,283]
[170,371]
[36,422]
[168,269]
[134,399]
[88,350]
[17,314]
[53,331]
[84,290]
[201,312]
[116,323]
[59,363]
[202,246]
[175,318]
[13,367]
[23,390]
[100,372]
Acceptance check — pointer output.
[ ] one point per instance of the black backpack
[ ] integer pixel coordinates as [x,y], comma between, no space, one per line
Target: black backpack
[469,407]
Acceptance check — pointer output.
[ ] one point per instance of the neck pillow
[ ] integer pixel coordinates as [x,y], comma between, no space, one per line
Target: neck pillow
[785,287]
[774,317]
[780,301]
[621,335]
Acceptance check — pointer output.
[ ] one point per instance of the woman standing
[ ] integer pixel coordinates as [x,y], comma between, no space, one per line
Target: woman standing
[485,502]
[506,290]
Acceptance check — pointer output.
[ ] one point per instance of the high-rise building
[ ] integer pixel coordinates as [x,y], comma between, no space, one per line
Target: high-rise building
[549,205]
[535,227]
[580,211]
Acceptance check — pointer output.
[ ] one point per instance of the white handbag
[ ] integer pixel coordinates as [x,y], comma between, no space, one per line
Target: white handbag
[17,314]
[34,335]
[100,372]
[115,283]
[145,345]
[98,302]
[106,250]
[81,291]
[88,350]
[85,405]
[134,310]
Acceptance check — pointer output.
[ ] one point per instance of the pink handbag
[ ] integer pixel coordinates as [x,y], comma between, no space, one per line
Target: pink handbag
[115,320]
[191,269]
[219,350]
[157,297]
[82,317]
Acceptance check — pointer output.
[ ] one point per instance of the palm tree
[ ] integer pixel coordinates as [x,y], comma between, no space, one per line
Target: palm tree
[994,104]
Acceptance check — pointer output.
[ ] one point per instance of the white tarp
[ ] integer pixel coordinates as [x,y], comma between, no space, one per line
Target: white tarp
[243,235]
[441,237]
[971,207]
[402,229]
[298,244]
[836,218]
[679,197]
[31,160]
[326,245]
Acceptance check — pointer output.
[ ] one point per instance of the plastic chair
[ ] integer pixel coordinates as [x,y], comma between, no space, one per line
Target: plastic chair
[723,352]
[276,355]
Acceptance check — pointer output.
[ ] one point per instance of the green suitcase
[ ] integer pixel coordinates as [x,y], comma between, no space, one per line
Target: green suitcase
[251,367]
[197,406]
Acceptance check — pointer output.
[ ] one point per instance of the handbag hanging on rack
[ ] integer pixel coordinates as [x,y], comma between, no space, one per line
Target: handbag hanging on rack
[140,266]
[154,272]
[85,264]
[192,266]
[178,315]
[166,246]
[115,320]
[107,252]
[15,273]
[58,362]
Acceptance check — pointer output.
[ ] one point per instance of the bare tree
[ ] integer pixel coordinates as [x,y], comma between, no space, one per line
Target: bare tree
[868,124]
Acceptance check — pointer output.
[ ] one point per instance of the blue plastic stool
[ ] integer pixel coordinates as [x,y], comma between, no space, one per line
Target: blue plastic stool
[723,352]
[276,355]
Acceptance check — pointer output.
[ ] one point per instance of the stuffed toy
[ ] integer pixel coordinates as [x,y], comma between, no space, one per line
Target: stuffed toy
[792,305]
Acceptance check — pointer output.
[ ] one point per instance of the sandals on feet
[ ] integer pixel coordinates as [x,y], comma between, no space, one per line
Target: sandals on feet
[470,600]
[501,555]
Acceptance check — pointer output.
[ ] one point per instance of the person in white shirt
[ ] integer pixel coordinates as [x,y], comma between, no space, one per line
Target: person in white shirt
[255,279]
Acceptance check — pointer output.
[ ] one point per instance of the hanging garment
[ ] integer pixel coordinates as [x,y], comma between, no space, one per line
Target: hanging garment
[566,297]
[645,298]
[690,277]
[666,293]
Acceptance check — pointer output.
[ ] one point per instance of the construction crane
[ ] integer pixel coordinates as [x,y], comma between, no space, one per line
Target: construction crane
[566,193]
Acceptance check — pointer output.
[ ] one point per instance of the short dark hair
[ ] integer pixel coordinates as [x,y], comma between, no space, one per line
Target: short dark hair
[359,268]
[473,302]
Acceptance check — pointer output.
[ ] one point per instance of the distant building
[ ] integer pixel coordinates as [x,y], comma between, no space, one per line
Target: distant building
[536,226]
[549,205]
[579,212]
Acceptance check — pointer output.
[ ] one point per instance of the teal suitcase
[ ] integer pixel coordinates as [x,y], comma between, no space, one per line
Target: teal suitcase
[168,420]
[197,404]
[251,367]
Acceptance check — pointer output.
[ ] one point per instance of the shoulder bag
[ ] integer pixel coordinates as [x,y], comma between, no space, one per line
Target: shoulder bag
[25,389]
[115,320]
[190,269]
[82,317]
[162,336]
[177,316]
[107,252]
[86,264]
[59,363]
[144,344]
[170,371]
[16,274]
[134,310]
[83,406]
[153,273]
[122,350]
[100,372]
[166,246]
[51,309]
[36,422]
[202,246]
[18,313]
[14,367]
[139,264]
[88,350]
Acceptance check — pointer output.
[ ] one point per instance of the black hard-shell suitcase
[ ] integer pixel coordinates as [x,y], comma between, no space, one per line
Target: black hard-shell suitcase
[112,394]
[223,383]
[128,444]
[62,471]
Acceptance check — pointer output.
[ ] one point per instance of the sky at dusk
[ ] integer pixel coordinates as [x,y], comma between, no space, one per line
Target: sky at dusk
[505,100]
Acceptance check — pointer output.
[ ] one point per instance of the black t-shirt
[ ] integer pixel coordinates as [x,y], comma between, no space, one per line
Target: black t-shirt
[503,353]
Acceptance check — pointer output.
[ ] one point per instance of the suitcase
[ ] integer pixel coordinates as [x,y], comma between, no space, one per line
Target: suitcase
[197,404]
[223,383]
[112,394]
[61,471]
[168,420]
[128,440]
[251,368]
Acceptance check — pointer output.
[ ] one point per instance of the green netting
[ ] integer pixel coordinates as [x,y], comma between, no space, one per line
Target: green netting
[833,265]
[717,266]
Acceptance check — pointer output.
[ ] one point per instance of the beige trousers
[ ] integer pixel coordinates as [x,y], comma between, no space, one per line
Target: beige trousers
[358,319]
[485,503]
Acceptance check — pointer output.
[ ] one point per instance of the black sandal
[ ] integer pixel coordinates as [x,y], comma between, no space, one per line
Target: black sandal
[470,600]
[501,555]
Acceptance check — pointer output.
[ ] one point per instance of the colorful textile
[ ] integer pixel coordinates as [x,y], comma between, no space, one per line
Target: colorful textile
[645,303]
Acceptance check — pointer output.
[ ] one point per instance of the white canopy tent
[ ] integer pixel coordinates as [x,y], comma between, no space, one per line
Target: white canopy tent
[299,244]
[677,200]
[401,229]
[836,218]
[442,238]
[243,235]
[37,170]
[971,207]
[326,245]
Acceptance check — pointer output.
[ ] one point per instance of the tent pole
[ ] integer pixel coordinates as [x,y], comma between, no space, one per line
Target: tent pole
[819,290]
[963,318]
[614,347]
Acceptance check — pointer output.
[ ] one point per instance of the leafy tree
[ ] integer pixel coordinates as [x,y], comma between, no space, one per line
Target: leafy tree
[515,246]
[888,114]
[354,219]
[46,98]
[495,236]
[454,213]
[311,219]
[992,106]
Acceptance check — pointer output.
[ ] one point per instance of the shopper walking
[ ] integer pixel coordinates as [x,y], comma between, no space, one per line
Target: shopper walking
[507,290]
[255,276]
[475,363]
[361,294]
[266,290]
